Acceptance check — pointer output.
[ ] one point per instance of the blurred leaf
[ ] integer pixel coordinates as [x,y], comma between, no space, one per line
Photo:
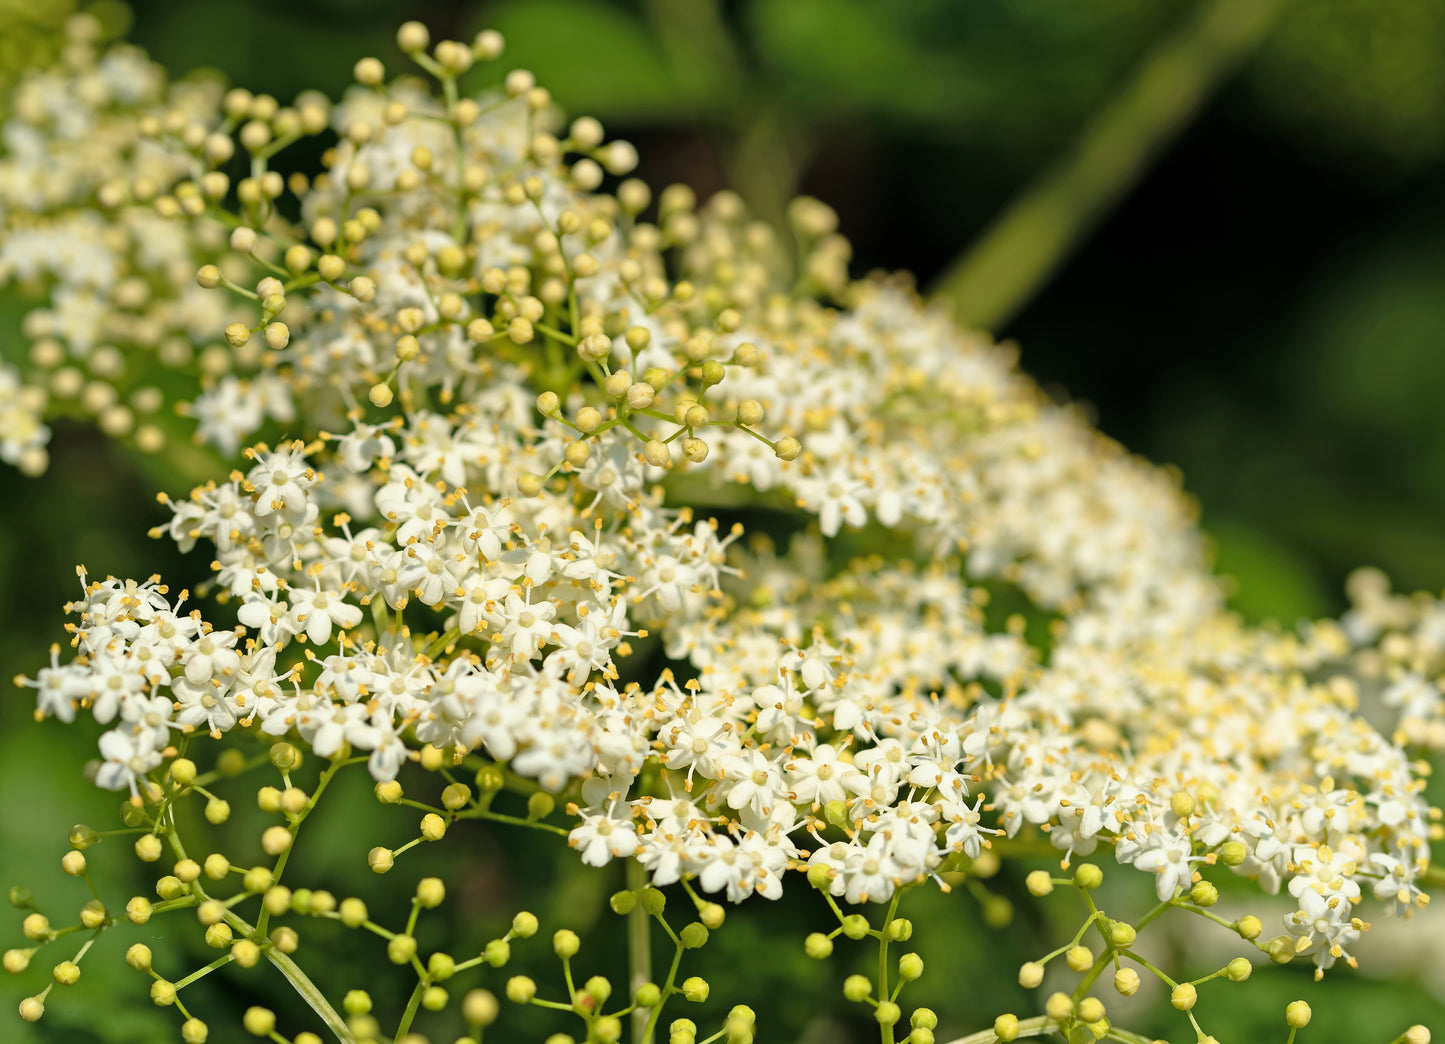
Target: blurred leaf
[277,47]
[1359,81]
[1270,581]
[599,59]
[1021,70]
[848,53]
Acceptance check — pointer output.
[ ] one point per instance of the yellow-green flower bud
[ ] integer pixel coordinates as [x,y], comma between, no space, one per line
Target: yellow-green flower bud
[259,1022]
[598,988]
[285,756]
[388,793]
[693,936]
[456,796]
[138,910]
[524,925]
[1297,1015]
[93,914]
[163,993]
[356,1002]
[353,912]
[237,334]
[857,988]
[400,949]
[818,946]
[1281,949]
[900,929]
[480,1007]
[622,903]
[910,967]
[431,892]
[1059,1006]
[139,957]
[565,943]
[285,939]
[245,953]
[1039,882]
[497,952]
[520,989]
[1238,969]
[855,926]
[695,989]
[275,840]
[1006,1028]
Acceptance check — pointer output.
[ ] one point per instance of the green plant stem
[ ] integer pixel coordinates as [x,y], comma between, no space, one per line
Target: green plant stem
[412,1005]
[639,947]
[1033,237]
[886,1030]
[1041,1026]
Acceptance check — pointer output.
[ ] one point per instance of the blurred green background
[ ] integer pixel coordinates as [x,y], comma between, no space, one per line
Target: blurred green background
[1253,295]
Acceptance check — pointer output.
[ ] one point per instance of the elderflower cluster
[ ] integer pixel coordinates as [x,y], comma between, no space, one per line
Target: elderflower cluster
[664,515]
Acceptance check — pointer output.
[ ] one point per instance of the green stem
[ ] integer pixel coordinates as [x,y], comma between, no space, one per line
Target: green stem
[639,947]
[1041,1026]
[300,982]
[411,1008]
[1029,242]
[886,1030]
[307,991]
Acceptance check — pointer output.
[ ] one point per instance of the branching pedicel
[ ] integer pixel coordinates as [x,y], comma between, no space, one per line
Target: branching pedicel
[514,412]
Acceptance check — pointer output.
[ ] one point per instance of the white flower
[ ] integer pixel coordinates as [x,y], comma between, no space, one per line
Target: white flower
[129,754]
[1167,855]
[603,836]
[281,480]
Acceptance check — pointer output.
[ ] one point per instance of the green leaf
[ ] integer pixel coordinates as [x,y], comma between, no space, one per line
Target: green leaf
[600,60]
[1270,580]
